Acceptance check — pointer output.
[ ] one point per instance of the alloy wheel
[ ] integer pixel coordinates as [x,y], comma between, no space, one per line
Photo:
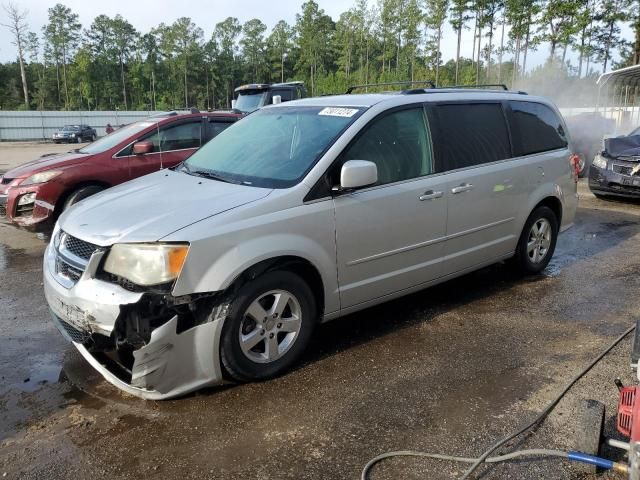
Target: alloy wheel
[539,240]
[270,326]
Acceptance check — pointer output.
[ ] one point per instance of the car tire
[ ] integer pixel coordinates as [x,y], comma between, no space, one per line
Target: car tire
[273,342]
[80,194]
[93,137]
[537,241]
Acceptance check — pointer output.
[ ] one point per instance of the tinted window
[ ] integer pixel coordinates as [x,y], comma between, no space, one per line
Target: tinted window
[214,127]
[397,143]
[537,128]
[469,134]
[177,137]
[285,94]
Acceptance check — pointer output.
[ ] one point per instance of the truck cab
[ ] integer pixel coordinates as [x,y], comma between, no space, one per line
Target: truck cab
[255,95]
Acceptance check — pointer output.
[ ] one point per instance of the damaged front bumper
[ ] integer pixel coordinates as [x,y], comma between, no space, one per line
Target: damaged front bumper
[147,344]
[617,179]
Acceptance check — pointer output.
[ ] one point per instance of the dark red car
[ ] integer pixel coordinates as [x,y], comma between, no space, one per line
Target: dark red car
[35,193]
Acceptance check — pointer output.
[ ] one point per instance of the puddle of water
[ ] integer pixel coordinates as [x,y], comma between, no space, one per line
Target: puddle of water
[43,369]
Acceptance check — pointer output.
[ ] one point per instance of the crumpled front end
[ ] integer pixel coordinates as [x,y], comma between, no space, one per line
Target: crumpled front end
[616,170]
[147,343]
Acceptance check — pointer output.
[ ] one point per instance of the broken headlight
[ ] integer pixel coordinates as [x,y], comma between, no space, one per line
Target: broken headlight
[600,162]
[146,264]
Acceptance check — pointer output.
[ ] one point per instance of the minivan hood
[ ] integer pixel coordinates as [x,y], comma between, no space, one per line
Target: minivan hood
[151,207]
[46,162]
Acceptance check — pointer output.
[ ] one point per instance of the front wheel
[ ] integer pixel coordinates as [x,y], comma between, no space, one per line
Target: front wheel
[80,194]
[268,326]
[537,241]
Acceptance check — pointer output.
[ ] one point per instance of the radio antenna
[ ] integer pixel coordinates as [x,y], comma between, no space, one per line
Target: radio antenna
[159,143]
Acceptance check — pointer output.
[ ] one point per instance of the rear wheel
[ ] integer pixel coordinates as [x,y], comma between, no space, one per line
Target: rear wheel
[537,241]
[268,326]
[80,194]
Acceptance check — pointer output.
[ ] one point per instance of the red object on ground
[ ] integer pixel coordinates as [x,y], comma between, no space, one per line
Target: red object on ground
[628,422]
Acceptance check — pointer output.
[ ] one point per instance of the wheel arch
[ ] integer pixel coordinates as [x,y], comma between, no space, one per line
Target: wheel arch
[69,190]
[291,263]
[554,204]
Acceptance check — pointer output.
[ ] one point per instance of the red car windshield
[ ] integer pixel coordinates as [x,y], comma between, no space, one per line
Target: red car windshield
[118,136]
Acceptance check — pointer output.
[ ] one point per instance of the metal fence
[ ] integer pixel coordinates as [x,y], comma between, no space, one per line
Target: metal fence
[40,125]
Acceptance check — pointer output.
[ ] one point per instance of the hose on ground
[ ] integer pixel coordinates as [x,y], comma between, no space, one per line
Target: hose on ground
[485,457]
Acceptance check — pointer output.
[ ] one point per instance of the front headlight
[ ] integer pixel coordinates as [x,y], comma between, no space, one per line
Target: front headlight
[41,177]
[600,162]
[27,199]
[147,264]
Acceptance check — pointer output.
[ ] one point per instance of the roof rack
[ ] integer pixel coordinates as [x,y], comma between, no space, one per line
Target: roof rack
[385,84]
[481,85]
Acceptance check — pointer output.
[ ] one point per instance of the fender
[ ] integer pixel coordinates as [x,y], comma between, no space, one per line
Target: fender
[213,264]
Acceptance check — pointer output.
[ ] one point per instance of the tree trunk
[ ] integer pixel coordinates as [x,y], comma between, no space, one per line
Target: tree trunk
[64,76]
[478,63]
[438,56]
[186,99]
[124,87]
[58,78]
[636,44]
[458,49]
[526,48]
[501,51]
[488,77]
[23,74]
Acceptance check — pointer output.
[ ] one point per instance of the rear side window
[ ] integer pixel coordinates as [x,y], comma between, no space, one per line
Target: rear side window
[177,137]
[214,127]
[537,128]
[285,95]
[469,134]
[398,143]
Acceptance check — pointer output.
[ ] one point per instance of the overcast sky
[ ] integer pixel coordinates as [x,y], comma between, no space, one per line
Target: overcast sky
[146,14]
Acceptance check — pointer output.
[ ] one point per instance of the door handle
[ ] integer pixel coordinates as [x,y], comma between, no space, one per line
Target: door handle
[465,187]
[430,195]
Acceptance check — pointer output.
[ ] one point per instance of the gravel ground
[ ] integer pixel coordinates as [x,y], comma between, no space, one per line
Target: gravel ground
[449,370]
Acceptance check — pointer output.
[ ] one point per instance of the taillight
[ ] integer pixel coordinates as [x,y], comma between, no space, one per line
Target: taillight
[577,164]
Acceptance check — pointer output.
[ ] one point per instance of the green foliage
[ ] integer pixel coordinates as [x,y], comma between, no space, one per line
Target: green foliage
[111,65]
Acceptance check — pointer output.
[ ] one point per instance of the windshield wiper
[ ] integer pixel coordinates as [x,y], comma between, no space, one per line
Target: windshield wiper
[211,175]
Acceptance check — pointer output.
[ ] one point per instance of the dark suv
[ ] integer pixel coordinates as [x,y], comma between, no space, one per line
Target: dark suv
[75,134]
[34,193]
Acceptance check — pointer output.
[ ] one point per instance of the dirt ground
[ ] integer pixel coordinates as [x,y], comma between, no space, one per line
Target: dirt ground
[13,154]
[448,370]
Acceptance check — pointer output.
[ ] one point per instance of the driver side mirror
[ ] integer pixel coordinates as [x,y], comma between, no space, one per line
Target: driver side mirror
[140,148]
[358,174]
[277,99]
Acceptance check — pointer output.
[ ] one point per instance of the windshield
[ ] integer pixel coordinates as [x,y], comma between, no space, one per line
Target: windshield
[70,128]
[118,136]
[273,147]
[249,101]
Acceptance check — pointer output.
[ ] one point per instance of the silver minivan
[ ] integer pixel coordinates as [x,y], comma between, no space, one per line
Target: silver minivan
[219,269]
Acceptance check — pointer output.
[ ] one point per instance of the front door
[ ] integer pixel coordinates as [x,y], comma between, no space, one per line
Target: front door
[390,236]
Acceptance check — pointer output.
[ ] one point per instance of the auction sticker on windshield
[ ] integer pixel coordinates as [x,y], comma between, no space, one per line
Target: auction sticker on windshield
[338,112]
